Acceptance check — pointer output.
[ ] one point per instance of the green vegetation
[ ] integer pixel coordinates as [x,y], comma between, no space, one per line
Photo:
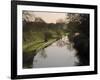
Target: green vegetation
[78,29]
[37,46]
[38,35]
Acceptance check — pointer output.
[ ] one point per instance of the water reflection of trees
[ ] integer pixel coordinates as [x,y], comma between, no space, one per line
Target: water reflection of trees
[65,42]
[82,47]
[28,59]
[43,53]
[78,29]
[62,42]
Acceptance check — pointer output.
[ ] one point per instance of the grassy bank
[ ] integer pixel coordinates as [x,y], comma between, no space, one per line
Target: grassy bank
[37,46]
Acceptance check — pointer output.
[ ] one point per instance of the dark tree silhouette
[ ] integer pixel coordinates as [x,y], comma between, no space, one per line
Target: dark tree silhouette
[78,28]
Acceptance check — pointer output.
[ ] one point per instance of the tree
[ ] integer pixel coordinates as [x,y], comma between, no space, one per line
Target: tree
[47,36]
[79,23]
[28,16]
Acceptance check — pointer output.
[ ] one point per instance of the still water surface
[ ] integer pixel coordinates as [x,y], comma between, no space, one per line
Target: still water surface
[60,54]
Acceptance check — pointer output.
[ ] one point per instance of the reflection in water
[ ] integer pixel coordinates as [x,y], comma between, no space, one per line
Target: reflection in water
[65,42]
[81,44]
[43,54]
[28,59]
[59,54]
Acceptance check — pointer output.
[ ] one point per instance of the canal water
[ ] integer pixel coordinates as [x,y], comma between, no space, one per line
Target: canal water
[60,54]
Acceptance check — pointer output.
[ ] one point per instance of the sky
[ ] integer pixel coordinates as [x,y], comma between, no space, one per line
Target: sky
[49,17]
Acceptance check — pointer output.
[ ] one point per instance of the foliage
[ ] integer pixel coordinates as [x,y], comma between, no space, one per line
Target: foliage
[78,29]
[36,36]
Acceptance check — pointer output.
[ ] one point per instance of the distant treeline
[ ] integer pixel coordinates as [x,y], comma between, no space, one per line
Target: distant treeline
[77,27]
[37,35]
[33,30]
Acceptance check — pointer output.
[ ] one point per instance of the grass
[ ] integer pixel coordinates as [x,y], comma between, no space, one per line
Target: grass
[37,41]
[46,44]
[31,44]
[37,45]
